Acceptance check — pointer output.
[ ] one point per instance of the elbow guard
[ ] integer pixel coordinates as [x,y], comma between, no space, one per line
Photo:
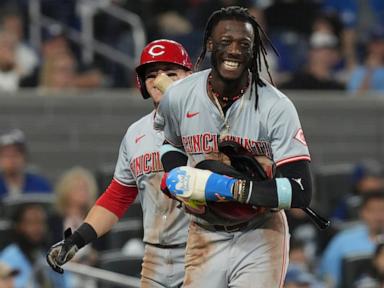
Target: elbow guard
[293,189]
[291,193]
[299,176]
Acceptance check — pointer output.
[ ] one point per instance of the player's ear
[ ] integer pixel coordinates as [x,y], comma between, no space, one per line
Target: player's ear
[209,44]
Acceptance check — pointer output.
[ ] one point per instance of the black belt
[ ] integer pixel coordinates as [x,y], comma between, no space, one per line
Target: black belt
[172,246]
[237,227]
[225,228]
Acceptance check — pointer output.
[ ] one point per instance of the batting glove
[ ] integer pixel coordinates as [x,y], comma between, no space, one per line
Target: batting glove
[63,251]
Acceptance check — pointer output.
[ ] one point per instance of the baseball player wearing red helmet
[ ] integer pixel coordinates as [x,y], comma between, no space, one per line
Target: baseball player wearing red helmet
[231,103]
[138,172]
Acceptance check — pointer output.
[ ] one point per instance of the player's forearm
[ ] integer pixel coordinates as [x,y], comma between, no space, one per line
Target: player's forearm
[292,191]
[110,207]
[101,219]
[98,222]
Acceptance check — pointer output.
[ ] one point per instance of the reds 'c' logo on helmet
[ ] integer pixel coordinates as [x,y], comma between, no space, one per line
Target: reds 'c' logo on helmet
[162,50]
[157,50]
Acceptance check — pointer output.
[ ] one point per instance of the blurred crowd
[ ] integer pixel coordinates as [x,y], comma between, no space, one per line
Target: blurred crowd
[321,44]
[35,212]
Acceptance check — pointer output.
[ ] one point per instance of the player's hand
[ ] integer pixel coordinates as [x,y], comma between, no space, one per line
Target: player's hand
[201,185]
[62,252]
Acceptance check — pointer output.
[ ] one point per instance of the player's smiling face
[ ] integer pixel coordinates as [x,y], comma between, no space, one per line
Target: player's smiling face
[231,45]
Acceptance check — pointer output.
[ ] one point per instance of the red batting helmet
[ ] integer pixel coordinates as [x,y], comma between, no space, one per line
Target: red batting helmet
[161,51]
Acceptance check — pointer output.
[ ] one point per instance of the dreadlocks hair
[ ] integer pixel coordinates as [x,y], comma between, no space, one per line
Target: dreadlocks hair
[259,52]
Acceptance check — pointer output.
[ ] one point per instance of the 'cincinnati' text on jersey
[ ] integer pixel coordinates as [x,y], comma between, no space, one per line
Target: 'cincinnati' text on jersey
[146,163]
[207,143]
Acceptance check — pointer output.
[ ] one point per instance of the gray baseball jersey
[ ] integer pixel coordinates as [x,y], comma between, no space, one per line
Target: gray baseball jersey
[191,120]
[194,122]
[256,257]
[139,165]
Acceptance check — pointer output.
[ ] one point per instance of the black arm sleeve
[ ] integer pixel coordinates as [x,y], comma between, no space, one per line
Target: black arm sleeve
[299,175]
[173,159]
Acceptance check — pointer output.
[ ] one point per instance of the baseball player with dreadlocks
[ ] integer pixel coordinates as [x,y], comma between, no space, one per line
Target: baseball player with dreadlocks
[139,172]
[232,243]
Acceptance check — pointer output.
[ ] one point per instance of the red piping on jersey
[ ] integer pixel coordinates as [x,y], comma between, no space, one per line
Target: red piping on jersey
[293,159]
[117,198]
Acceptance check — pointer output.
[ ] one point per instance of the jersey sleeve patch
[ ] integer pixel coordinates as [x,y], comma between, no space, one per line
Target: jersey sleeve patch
[299,136]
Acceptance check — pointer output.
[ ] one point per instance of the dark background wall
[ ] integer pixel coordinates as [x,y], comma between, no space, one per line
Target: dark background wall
[86,129]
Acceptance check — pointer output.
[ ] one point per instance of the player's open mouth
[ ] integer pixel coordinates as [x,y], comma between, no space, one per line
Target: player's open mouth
[231,65]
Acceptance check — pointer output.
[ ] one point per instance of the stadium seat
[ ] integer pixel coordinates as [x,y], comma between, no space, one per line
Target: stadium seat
[5,233]
[353,267]
[122,232]
[332,183]
[11,204]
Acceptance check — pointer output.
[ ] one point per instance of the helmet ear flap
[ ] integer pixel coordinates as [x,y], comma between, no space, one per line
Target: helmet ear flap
[140,84]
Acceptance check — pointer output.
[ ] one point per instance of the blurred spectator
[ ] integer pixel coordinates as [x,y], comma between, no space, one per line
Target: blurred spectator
[26,58]
[367,176]
[158,26]
[378,263]
[327,23]
[322,58]
[370,75]
[55,42]
[9,71]
[76,191]
[289,23]
[62,11]
[7,276]
[304,236]
[26,253]
[60,69]
[283,15]
[356,240]
[58,73]
[256,9]
[358,18]
[171,23]
[14,176]
[375,279]
[297,277]
[89,79]
[297,254]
